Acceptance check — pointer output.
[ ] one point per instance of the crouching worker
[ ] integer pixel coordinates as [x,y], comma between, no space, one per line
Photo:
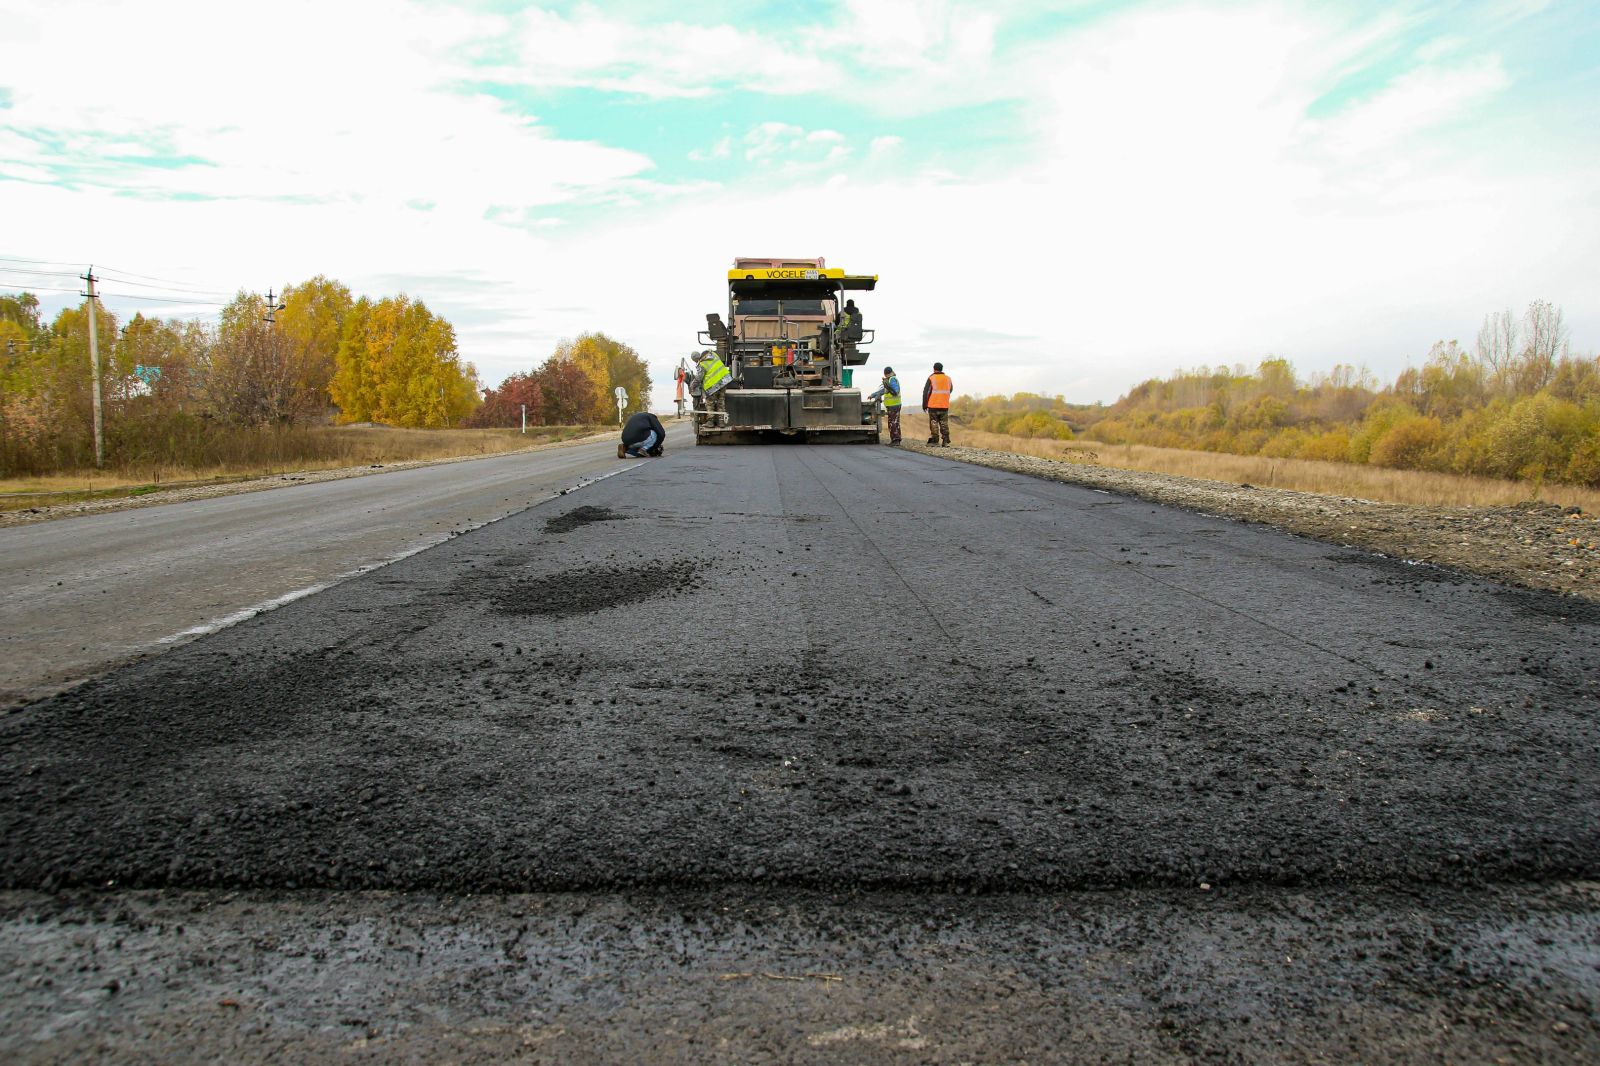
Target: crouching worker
[643,435]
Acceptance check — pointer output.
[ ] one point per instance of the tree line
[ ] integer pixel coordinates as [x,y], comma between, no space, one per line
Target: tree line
[315,355]
[1517,404]
[573,386]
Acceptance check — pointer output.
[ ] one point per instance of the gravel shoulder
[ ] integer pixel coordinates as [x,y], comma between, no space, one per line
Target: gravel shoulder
[1540,546]
[29,515]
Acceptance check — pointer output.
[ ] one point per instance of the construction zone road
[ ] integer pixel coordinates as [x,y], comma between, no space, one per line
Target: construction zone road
[87,592]
[826,754]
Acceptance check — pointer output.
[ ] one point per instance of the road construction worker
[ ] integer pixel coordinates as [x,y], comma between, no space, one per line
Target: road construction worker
[850,322]
[642,435]
[714,377]
[691,378]
[890,394]
[936,401]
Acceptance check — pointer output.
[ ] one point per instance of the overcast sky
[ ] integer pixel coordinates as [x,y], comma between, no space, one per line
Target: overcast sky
[1058,197]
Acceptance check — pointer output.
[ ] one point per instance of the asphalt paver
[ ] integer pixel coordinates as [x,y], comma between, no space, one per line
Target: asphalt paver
[876,688]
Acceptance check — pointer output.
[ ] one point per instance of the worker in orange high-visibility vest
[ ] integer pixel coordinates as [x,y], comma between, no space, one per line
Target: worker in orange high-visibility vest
[936,401]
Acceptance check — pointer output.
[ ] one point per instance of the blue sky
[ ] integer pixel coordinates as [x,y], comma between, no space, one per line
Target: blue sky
[1059,197]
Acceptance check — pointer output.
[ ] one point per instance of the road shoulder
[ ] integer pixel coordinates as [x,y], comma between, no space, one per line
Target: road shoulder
[1540,546]
[188,493]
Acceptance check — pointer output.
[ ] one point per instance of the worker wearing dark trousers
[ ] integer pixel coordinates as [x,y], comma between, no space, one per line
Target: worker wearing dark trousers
[936,401]
[643,435]
[890,394]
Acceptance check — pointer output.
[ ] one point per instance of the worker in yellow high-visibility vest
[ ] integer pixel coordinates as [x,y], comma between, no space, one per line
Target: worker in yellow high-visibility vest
[936,401]
[714,377]
[890,394]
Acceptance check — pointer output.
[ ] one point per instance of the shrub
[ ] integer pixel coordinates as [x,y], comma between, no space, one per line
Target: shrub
[1380,418]
[1330,446]
[1413,444]
[1584,466]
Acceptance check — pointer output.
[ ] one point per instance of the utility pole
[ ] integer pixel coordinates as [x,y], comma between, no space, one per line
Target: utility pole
[94,373]
[270,317]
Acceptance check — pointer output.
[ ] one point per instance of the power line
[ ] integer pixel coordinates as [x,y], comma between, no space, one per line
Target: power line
[146,277]
[48,288]
[43,273]
[125,296]
[167,288]
[167,284]
[159,299]
[37,262]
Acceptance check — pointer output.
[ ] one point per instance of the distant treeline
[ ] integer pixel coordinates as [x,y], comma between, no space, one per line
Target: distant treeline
[174,389]
[574,386]
[1517,405]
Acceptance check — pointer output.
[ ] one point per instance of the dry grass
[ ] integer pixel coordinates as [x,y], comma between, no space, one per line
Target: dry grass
[239,457]
[1303,475]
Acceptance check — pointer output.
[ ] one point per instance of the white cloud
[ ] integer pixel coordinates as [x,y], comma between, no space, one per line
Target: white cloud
[723,149]
[591,49]
[354,111]
[1414,102]
[794,147]
[899,56]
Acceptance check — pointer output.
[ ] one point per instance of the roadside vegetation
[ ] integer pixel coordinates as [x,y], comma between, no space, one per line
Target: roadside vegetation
[1504,421]
[267,388]
[1381,484]
[240,455]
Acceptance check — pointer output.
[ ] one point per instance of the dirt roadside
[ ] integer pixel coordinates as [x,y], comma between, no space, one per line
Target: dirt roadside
[183,494]
[1541,546]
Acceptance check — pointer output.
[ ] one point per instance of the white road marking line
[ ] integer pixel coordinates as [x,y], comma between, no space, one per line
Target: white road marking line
[247,613]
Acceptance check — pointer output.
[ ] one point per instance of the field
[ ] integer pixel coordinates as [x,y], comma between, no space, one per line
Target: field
[1300,475]
[240,455]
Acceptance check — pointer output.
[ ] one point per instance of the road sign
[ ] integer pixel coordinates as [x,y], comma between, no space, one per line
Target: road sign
[622,401]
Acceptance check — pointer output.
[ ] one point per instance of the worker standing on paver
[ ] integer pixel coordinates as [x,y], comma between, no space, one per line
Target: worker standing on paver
[936,401]
[890,394]
[643,435]
[714,377]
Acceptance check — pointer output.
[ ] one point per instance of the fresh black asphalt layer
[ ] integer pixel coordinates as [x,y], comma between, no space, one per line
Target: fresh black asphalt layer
[836,668]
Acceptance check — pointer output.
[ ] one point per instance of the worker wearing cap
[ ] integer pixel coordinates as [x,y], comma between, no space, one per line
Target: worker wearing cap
[714,377]
[936,401]
[890,394]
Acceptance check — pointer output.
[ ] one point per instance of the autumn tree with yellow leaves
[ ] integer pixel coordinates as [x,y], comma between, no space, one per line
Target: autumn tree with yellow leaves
[172,386]
[397,364]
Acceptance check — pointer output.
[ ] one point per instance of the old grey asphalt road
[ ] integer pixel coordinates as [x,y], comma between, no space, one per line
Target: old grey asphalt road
[827,754]
[84,593]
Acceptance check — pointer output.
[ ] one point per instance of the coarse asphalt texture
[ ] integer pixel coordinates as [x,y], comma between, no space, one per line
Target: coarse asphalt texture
[805,676]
